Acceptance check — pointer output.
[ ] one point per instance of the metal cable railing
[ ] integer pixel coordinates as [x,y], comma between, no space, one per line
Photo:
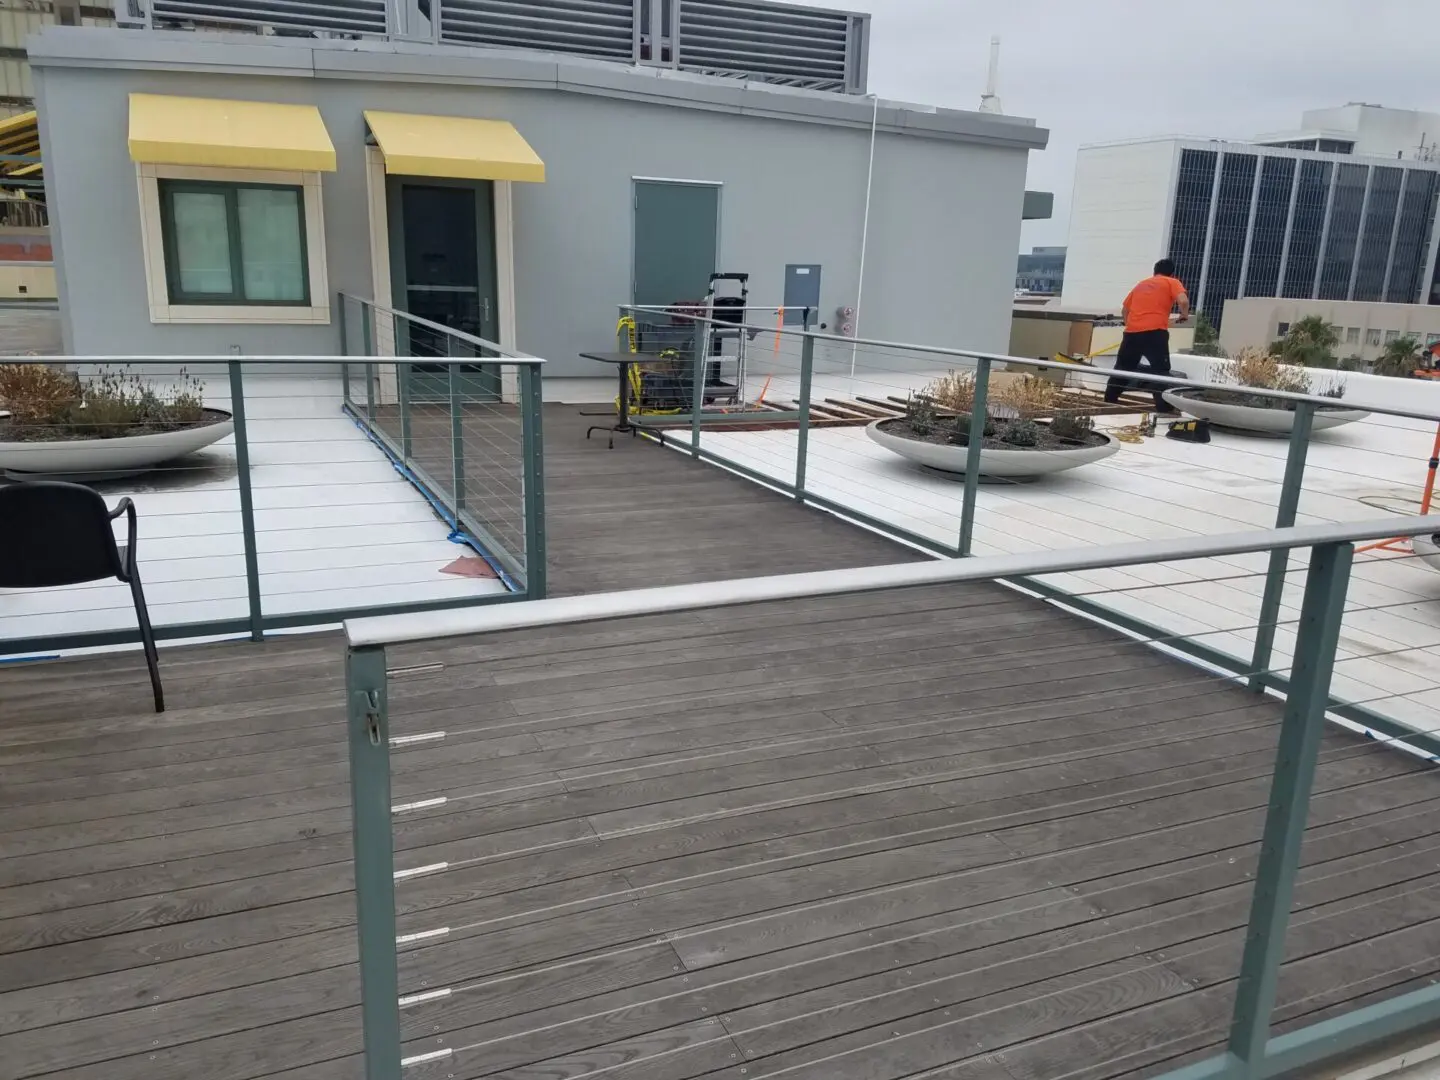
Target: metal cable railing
[801,430]
[265,501]
[461,416]
[557,853]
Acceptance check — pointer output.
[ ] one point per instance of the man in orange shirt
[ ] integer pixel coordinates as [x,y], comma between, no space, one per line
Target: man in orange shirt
[1147,332]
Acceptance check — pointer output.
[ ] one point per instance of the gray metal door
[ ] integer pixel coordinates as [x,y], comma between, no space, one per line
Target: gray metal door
[442,266]
[676,239]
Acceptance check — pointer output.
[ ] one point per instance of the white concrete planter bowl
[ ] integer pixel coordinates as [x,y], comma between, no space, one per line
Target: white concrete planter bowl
[76,459]
[1428,548]
[1007,464]
[1249,418]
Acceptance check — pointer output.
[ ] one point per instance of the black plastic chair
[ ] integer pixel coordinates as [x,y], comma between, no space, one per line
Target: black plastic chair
[54,534]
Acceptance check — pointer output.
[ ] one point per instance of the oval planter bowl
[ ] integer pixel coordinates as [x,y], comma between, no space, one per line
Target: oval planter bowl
[101,458]
[1428,548]
[1011,464]
[1249,418]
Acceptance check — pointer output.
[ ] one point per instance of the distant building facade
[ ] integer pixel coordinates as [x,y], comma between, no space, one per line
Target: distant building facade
[1364,329]
[1244,220]
[1364,130]
[1042,271]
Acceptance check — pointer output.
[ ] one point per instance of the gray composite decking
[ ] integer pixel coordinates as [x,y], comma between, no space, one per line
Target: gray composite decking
[946,832]
[633,516]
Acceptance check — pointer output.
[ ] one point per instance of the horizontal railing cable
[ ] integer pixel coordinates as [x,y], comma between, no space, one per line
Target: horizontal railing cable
[739,1031]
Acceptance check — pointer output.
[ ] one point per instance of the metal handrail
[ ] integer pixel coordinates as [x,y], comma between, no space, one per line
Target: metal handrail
[392,630]
[470,339]
[1056,365]
[228,358]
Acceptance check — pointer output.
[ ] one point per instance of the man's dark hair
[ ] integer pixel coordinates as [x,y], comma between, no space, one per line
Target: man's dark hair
[1165,268]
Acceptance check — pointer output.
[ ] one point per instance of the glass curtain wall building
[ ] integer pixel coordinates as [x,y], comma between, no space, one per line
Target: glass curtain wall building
[1260,221]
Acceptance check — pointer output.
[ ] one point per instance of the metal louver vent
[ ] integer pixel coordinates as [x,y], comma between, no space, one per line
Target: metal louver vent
[764,40]
[604,29]
[774,42]
[336,16]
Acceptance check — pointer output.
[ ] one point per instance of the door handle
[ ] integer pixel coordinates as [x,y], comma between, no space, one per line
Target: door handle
[485,307]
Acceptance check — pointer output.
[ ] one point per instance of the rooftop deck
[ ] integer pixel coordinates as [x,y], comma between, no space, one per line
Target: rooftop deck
[941,832]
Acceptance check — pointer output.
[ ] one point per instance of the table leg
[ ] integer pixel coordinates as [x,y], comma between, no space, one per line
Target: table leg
[624,424]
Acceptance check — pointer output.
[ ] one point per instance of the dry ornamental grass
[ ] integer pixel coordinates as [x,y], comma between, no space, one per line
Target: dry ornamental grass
[46,402]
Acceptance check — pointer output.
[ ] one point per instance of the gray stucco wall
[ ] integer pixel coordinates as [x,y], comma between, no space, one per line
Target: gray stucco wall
[944,225]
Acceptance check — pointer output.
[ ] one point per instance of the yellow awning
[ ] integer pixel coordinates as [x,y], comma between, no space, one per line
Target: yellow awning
[458,147]
[228,134]
[20,137]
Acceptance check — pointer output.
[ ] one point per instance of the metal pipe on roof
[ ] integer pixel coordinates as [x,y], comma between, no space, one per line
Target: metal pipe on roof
[865,229]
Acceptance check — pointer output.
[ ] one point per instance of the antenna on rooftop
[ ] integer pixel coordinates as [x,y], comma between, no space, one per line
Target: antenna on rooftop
[990,100]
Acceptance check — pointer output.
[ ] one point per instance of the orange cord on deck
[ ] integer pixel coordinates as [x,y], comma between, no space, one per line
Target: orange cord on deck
[1425,500]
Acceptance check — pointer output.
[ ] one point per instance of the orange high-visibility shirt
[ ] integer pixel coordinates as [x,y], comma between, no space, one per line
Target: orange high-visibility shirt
[1149,303]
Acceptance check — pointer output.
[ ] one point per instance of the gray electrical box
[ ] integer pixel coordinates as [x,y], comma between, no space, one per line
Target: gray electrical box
[802,290]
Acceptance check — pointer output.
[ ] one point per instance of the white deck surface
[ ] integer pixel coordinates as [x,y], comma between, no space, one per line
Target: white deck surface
[1162,488]
[336,527]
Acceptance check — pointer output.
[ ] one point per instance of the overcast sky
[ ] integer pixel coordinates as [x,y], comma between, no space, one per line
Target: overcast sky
[1097,70]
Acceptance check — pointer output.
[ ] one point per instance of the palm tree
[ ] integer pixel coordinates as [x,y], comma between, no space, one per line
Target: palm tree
[1310,342]
[1400,358]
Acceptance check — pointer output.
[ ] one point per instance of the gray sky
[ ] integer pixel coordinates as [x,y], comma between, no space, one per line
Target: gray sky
[1096,70]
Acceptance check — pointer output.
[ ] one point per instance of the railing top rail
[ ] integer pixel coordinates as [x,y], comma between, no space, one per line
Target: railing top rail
[972,354]
[395,629]
[225,358]
[470,339]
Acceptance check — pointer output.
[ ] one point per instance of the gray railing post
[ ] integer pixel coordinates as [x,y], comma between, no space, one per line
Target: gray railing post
[367,333]
[402,378]
[1301,729]
[342,303]
[457,442]
[697,392]
[1290,490]
[369,730]
[533,449]
[247,501]
[807,374]
[978,412]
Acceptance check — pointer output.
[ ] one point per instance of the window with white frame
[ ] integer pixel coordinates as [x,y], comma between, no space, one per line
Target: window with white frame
[1391,335]
[1372,337]
[233,245]
[1432,339]
[1352,335]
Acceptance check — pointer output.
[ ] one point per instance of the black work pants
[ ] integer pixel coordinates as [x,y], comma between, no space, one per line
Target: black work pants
[1151,346]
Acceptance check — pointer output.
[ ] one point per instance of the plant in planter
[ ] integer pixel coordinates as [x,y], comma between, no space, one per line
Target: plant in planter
[1074,426]
[1012,443]
[920,415]
[112,422]
[1228,405]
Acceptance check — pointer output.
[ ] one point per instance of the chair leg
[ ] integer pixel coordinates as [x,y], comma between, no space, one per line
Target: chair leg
[147,635]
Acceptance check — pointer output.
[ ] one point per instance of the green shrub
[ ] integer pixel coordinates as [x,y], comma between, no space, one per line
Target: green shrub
[920,412]
[1072,425]
[1022,433]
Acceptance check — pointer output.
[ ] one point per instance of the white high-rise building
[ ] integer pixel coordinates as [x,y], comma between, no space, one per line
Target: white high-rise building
[1365,130]
[1261,219]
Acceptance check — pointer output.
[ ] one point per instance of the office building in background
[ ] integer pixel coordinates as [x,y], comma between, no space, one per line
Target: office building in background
[1042,272]
[1244,219]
